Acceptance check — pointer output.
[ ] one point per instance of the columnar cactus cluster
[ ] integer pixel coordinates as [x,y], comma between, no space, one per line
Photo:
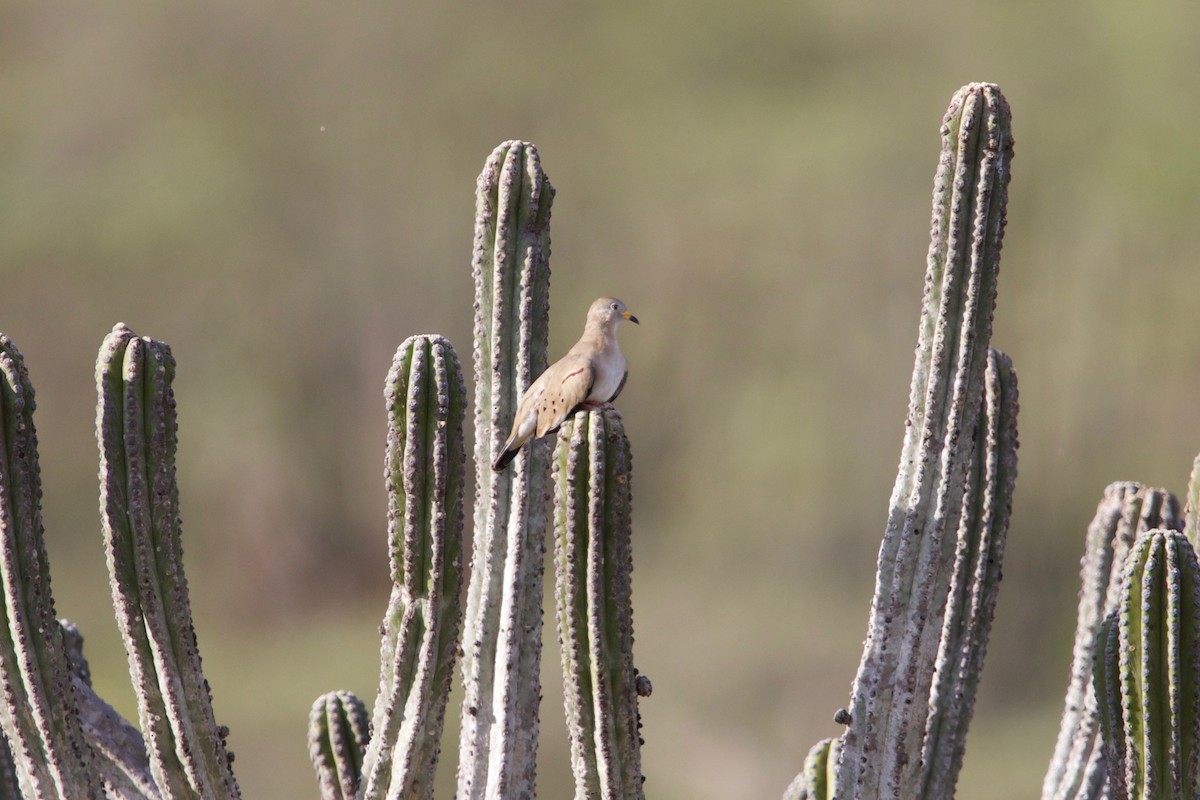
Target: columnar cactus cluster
[1130,730]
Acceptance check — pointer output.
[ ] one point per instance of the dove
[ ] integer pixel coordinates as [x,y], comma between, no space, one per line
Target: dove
[591,374]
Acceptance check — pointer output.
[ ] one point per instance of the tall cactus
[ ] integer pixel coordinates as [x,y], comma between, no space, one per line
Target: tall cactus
[502,634]
[139,504]
[1148,672]
[1077,769]
[594,565]
[883,744]
[39,711]
[425,467]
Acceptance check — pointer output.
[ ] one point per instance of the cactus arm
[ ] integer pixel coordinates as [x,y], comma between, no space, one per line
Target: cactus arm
[118,747]
[817,781]
[39,710]
[975,584]
[1149,681]
[136,430]
[594,562]
[882,745]
[1127,510]
[338,733]
[502,631]
[425,467]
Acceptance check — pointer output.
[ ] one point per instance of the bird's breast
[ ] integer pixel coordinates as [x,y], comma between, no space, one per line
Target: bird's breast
[610,371]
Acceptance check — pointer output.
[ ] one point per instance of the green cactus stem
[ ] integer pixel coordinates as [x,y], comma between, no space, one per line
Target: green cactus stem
[425,470]
[338,733]
[39,711]
[502,632]
[818,779]
[594,565]
[975,583]
[139,504]
[882,746]
[1127,510]
[1149,681]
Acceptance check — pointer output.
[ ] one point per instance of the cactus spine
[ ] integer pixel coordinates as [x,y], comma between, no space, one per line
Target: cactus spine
[1149,676]
[139,504]
[1127,510]
[39,711]
[338,733]
[883,745]
[502,635]
[425,468]
[594,565]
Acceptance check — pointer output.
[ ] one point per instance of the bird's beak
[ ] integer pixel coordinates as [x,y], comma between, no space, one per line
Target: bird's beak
[630,317]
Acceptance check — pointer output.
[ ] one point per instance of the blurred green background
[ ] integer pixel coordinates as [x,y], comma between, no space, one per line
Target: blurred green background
[284,191]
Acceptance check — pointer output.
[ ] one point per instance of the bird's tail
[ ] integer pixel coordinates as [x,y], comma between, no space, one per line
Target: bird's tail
[505,458]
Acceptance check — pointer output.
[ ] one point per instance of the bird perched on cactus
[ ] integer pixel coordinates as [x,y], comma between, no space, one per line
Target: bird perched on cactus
[591,374]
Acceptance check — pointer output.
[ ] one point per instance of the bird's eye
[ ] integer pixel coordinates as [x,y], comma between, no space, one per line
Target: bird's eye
[614,306]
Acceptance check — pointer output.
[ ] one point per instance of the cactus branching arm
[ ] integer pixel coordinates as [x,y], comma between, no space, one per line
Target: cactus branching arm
[425,472]
[39,711]
[338,733]
[1127,510]
[139,505]
[594,564]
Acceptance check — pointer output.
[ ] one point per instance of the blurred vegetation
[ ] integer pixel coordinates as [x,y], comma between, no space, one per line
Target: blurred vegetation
[284,191]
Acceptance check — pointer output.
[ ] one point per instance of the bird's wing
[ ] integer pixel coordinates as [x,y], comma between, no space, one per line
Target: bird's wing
[568,383]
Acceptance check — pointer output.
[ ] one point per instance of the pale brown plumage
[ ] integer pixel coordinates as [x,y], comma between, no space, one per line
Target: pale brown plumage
[590,374]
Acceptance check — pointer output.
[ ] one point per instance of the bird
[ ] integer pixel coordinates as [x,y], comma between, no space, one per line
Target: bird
[591,374]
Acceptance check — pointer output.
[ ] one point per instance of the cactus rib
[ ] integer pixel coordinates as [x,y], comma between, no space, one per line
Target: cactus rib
[425,467]
[883,743]
[1127,510]
[818,779]
[594,562]
[338,733]
[502,632]
[39,711]
[139,504]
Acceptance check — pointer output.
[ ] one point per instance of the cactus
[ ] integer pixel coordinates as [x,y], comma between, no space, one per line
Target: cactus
[425,466]
[1077,769]
[819,776]
[139,504]
[338,733]
[1148,672]
[39,712]
[975,583]
[594,561]
[502,634]
[883,744]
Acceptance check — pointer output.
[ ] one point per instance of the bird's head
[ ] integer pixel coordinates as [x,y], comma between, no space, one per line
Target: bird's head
[607,313]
